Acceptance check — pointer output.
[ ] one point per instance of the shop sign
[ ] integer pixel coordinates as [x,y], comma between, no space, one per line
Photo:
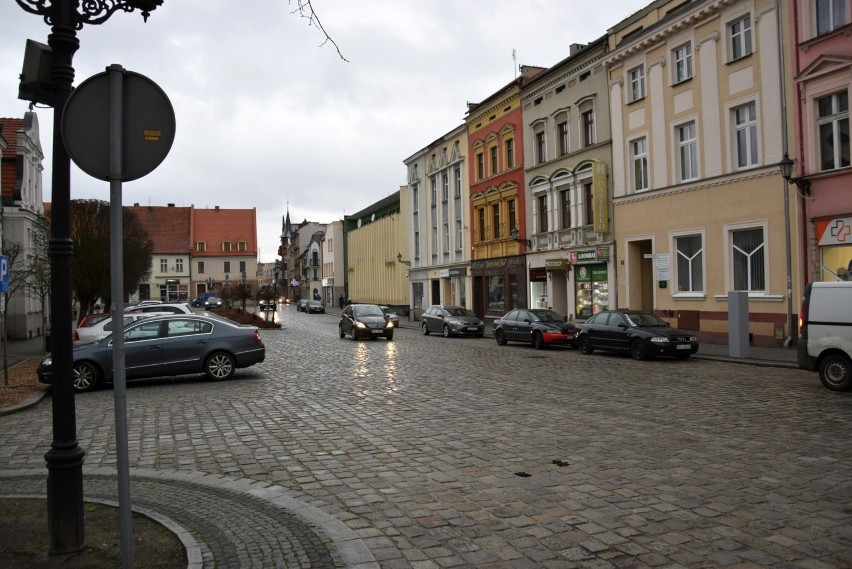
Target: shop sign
[601,198]
[328,281]
[538,275]
[836,231]
[172,281]
[589,256]
[458,272]
[557,264]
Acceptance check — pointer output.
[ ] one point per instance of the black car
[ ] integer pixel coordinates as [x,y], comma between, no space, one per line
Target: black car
[642,334]
[537,326]
[302,304]
[451,321]
[176,344]
[364,321]
[314,307]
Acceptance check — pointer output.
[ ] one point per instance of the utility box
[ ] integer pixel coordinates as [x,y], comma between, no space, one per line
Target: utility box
[738,340]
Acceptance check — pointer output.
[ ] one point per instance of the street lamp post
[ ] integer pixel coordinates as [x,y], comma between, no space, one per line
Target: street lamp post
[65,458]
[786,166]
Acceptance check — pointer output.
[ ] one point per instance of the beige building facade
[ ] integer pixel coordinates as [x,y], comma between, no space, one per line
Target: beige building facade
[698,200]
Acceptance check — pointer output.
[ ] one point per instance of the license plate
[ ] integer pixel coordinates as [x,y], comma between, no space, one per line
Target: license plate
[473,328]
[684,347]
[377,331]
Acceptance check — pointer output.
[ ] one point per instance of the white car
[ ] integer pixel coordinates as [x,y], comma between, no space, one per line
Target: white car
[170,307]
[102,329]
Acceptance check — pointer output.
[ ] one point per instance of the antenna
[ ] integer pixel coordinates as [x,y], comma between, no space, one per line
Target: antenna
[515,62]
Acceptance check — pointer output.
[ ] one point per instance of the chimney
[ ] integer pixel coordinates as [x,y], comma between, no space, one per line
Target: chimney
[577,47]
[171,205]
[217,208]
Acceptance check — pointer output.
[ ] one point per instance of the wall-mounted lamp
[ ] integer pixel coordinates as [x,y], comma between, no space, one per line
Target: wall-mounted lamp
[399,260]
[514,233]
[786,166]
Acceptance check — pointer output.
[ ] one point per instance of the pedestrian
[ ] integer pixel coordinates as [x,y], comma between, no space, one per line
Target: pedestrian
[340,301]
[348,301]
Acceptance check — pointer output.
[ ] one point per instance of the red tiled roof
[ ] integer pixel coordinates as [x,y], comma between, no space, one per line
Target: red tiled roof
[213,226]
[168,227]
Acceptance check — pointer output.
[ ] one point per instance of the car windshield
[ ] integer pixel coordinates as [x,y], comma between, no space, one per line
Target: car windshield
[645,319]
[546,316]
[458,311]
[368,311]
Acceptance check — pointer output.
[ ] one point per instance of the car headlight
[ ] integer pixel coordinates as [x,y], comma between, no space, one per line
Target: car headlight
[360,325]
[660,340]
[47,361]
[693,338]
[388,324]
[456,323]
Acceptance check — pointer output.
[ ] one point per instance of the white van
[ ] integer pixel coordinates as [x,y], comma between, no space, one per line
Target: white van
[825,333]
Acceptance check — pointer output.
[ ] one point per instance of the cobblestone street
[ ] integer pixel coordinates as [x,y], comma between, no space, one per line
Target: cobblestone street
[432,452]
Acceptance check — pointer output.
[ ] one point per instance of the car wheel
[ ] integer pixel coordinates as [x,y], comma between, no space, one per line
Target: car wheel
[446,331]
[389,336]
[342,333]
[500,336]
[538,341]
[219,366]
[85,377]
[424,328]
[585,345]
[835,372]
[637,349]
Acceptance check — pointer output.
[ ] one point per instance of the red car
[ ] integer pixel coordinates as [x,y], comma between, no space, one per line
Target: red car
[537,326]
[93,318]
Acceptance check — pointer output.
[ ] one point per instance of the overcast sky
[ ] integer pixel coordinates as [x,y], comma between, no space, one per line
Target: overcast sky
[268,117]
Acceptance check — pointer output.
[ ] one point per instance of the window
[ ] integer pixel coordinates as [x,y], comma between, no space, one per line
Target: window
[446,238]
[434,241]
[201,267]
[540,148]
[588,128]
[226,246]
[445,187]
[833,125]
[513,224]
[495,217]
[639,155]
[480,166]
[179,265]
[416,199]
[416,244]
[739,33]
[686,152]
[748,257]
[745,135]
[241,245]
[682,56]
[459,235]
[494,169]
[690,263]
[481,213]
[201,246]
[542,214]
[510,153]
[457,189]
[314,255]
[566,208]
[562,135]
[637,83]
[495,293]
[588,201]
[434,193]
[164,265]
[226,267]
[830,15]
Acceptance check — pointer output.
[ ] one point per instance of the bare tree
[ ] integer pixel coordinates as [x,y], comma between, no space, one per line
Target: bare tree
[38,283]
[305,10]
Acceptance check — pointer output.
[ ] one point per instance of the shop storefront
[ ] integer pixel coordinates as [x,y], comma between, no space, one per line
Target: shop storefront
[591,281]
[538,288]
[454,285]
[499,285]
[834,241]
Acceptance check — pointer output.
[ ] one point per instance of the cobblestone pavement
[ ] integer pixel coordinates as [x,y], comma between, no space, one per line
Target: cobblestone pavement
[428,452]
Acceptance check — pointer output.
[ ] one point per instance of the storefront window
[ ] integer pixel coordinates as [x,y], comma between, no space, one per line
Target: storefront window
[496,299]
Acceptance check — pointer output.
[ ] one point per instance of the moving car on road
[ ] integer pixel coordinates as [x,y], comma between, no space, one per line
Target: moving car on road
[364,321]
[315,307]
[176,344]
[302,304]
[393,318]
[451,321]
[537,326]
[642,334]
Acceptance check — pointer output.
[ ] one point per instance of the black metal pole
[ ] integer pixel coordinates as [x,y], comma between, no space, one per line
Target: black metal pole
[65,457]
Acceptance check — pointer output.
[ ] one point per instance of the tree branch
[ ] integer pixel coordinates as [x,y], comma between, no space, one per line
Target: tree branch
[305,10]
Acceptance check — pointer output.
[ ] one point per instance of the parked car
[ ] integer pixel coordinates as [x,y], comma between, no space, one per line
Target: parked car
[177,344]
[825,334]
[149,301]
[314,307]
[302,304]
[391,315]
[173,307]
[213,302]
[451,321]
[537,326]
[93,318]
[102,329]
[364,321]
[641,334]
[198,301]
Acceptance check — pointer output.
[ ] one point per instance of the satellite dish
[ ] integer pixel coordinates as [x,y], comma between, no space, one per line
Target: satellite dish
[373,217]
[359,222]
